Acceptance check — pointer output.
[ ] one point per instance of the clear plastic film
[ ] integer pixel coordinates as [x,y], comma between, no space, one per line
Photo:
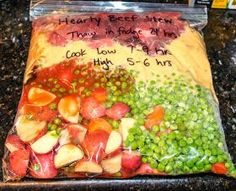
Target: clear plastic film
[115,90]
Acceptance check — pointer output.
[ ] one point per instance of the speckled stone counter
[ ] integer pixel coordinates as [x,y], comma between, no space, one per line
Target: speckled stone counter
[220,37]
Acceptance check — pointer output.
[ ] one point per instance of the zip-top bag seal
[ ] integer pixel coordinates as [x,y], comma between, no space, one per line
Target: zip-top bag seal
[115,90]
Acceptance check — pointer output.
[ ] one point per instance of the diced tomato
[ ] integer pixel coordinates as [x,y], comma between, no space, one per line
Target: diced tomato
[91,108]
[219,168]
[19,162]
[99,124]
[100,94]
[155,118]
[117,111]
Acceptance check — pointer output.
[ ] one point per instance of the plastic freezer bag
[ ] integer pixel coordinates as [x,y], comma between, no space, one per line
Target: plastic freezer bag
[116,90]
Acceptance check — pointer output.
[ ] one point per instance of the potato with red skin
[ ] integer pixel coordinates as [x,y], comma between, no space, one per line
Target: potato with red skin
[46,143]
[117,111]
[67,154]
[94,144]
[130,160]
[13,143]
[146,169]
[88,166]
[18,162]
[29,129]
[77,132]
[112,165]
[114,142]
[69,107]
[91,108]
[42,166]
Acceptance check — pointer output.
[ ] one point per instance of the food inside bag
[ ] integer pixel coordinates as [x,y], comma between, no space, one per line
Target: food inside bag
[116,94]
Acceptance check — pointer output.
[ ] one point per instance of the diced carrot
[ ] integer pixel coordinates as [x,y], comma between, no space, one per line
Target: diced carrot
[100,94]
[40,97]
[99,124]
[219,168]
[155,118]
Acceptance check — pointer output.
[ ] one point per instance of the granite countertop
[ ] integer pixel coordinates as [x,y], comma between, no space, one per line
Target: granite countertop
[220,37]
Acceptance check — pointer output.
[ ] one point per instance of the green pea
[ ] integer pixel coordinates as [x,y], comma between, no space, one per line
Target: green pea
[57,121]
[130,138]
[185,150]
[117,83]
[53,90]
[189,140]
[113,88]
[161,167]
[53,127]
[62,90]
[36,167]
[115,124]
[207,167]
[172,136]
[103,79]
[190,163]
[168,168]
[57,86]
[96,85]
[144,159]
[76,72]
[50,79]
[127,142]
[182,127]
[220,158]
[182,143]
[153,164]
[49,126]
[208,152]
[81,80]
[124,85]
[109,84]
[212,159]
[198,142]
[179,164]
[200,165]
[53,106]
[186,169]
[134,146]
[140,143]
[59,130]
